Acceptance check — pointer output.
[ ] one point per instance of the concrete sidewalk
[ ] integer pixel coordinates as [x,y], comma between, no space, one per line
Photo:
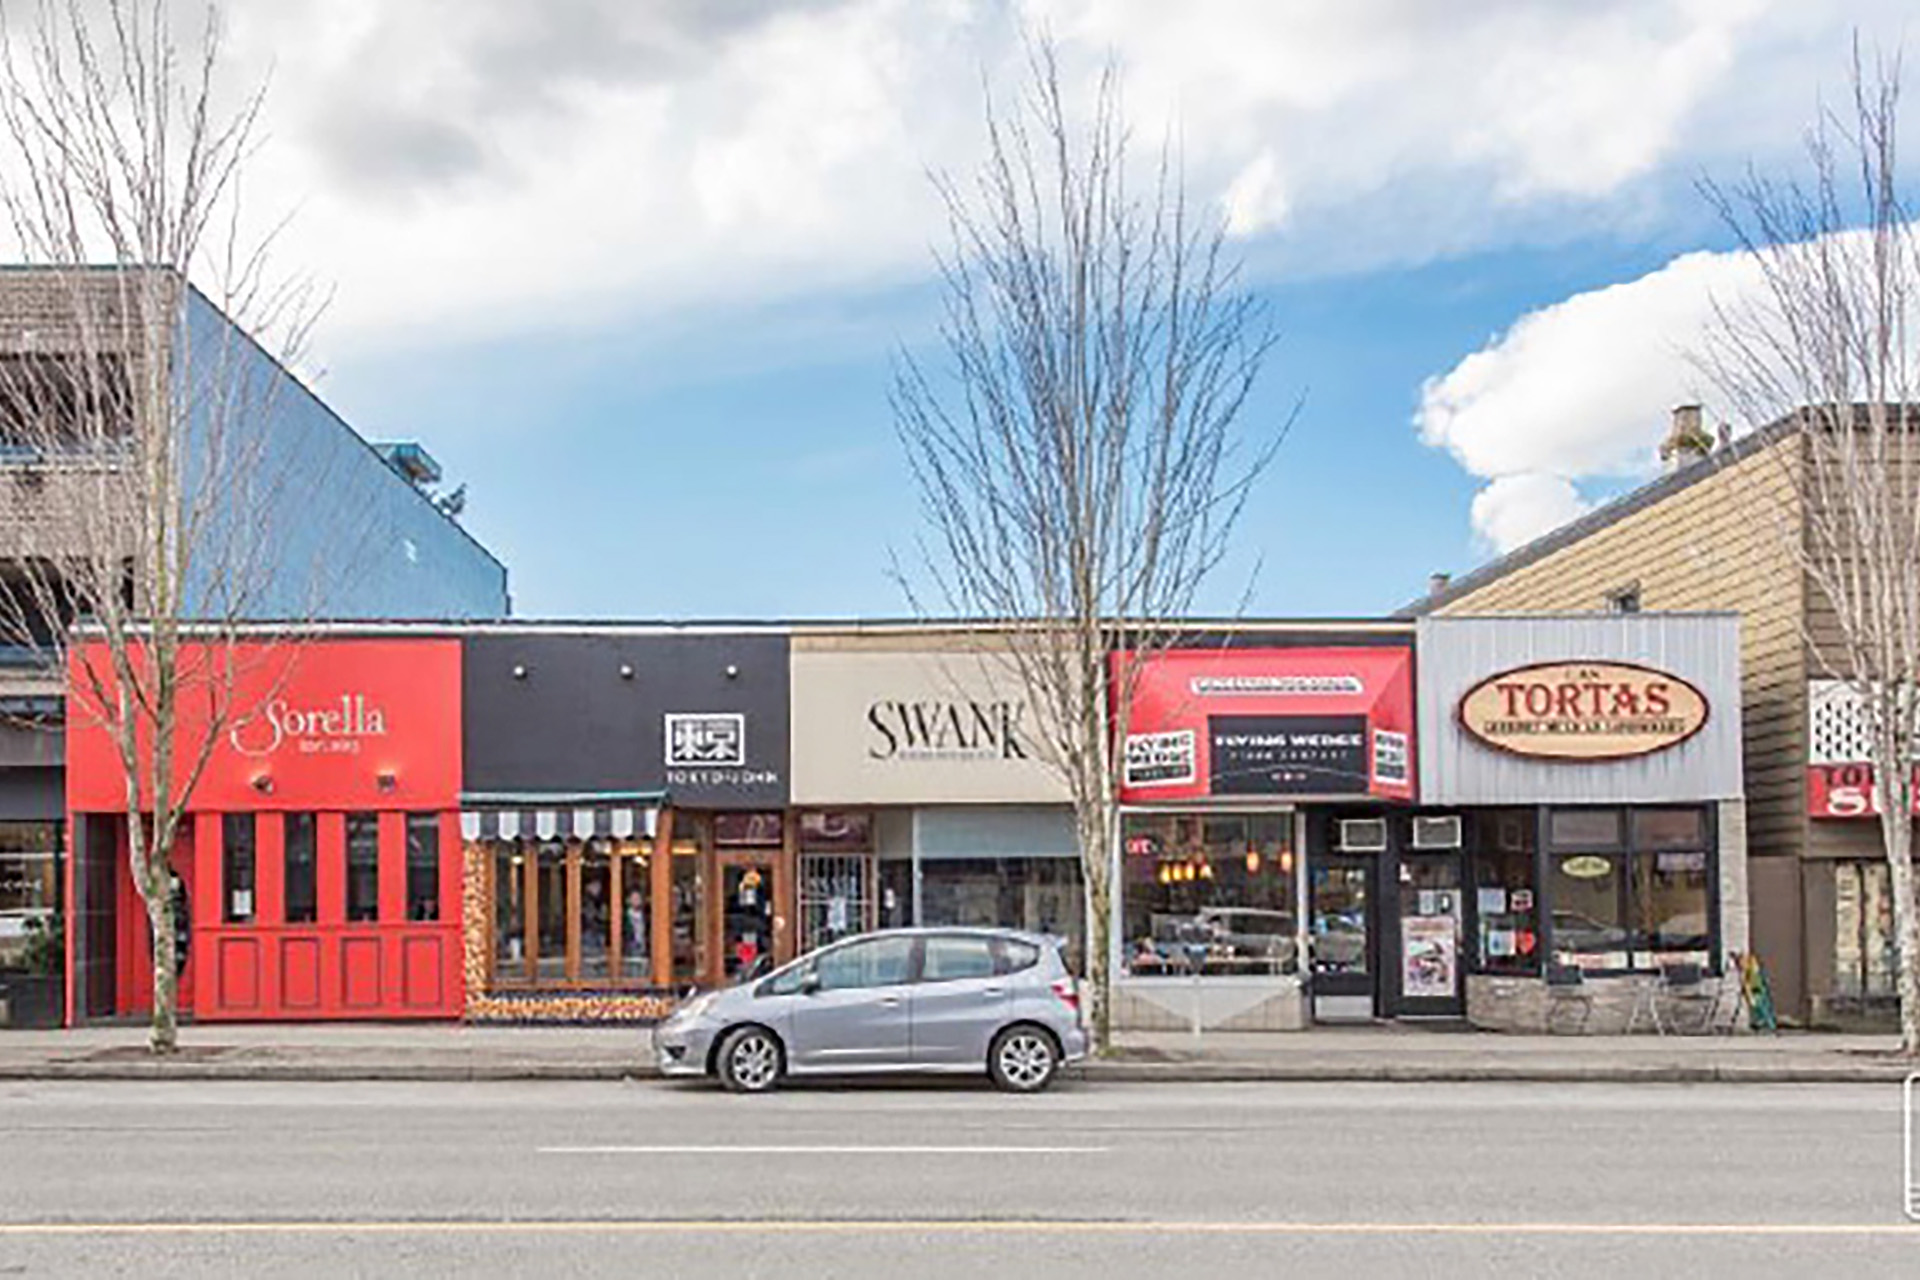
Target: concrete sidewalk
[1393,1052]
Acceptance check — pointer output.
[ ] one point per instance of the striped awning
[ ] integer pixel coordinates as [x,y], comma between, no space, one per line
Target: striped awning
[547,817]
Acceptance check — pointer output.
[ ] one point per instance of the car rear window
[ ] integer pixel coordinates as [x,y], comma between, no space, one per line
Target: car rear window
[1015,955]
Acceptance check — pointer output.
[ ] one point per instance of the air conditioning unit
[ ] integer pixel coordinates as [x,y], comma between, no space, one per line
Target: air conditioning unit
[1363,835]
[1437,833]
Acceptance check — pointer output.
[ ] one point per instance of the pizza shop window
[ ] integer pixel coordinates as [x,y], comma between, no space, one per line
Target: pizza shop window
[1631,890]
[1215,890]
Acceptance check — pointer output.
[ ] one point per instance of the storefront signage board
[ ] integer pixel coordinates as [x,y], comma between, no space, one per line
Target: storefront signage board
[1583,711]
[1847,791]
[1280,722]
[321,724]
[699,715]
[917,726]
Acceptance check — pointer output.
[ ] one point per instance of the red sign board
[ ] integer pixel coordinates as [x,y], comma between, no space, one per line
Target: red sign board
[1847,791]
[1245,723]
[327,724]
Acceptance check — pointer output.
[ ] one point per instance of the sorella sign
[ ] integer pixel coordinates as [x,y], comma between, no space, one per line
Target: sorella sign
[334,728]
[1583,711]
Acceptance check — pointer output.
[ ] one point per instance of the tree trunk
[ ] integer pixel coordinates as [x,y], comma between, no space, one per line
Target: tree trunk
[1095,834]
[1896,827]
[163,1035]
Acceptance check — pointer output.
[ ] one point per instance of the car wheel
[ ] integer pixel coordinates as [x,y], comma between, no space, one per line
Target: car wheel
[750,1060]
[1023,1059]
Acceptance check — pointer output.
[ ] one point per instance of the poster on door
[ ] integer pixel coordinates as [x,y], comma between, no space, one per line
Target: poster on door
[1429,956]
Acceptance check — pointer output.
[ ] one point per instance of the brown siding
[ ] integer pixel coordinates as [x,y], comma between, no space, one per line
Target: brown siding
[1722,543]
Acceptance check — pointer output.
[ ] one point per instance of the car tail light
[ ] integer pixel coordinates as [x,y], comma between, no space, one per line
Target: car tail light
[1068,992]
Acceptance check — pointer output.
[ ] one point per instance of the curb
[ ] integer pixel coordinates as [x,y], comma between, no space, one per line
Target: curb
[1113,1072]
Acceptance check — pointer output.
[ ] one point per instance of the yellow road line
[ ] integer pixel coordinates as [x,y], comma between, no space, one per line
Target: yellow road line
[855,1226]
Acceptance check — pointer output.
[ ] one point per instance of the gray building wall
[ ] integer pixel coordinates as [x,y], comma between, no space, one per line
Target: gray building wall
[340,534]
[1456,653]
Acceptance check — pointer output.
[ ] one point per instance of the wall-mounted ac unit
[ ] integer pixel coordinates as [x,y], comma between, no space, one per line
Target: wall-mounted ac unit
[1363,835]
[1437,833]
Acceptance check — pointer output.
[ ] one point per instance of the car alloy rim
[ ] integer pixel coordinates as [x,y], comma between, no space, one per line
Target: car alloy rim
[753,1062]
[1025,1060]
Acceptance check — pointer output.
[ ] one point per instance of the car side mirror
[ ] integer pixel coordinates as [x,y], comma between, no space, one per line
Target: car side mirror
[809,984]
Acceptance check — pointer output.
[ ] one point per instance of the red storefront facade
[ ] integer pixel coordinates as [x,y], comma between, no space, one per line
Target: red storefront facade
[320,865]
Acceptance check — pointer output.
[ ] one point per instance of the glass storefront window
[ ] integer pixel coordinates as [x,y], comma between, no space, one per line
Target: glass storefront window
[1217,890]
[1866,948]
[509,910]
[1634,908]
[236,867]
[423,867]
[552,909]
[1584,828]
[1508,930]
[636,944]
[1670,901]
[301,868]
[689,962]
[363,868]
[1655,829]
[1589,909]
[1040,895]
[29,879]
[559,904]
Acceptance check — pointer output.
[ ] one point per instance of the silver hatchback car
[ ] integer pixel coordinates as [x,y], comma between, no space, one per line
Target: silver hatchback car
[947,1000]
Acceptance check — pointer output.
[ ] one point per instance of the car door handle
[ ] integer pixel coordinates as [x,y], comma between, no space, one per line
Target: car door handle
[991,992]
[888,1002]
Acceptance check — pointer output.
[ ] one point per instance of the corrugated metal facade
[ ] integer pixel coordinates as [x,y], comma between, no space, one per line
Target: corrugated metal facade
[1456,653]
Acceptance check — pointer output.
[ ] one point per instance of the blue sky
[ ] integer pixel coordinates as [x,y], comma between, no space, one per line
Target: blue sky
[636,273]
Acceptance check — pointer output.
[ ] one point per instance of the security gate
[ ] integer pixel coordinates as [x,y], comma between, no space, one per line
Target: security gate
[836,897]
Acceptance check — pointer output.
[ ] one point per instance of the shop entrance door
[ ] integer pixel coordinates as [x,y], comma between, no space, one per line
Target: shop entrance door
[746,914]
[1427,937]
[1342,939]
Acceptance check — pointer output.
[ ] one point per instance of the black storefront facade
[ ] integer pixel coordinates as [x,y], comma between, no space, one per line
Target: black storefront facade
[624,816]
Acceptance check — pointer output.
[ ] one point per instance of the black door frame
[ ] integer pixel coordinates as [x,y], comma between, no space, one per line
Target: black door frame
[1398,1003]
[1349,984]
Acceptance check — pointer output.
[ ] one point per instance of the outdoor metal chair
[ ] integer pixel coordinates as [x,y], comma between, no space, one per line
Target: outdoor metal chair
[1680,1000]
[1567,994]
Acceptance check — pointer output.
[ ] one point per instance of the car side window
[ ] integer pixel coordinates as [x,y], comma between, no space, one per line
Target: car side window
[877,962]
[949,959]
[786,982]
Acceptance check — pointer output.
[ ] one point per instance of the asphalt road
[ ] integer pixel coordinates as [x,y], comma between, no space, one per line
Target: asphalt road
[664,1179]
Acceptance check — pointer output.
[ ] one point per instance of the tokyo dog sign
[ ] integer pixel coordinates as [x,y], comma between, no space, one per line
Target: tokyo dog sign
[1580,711]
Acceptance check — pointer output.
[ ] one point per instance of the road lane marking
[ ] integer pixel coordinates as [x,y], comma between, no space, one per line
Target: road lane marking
[935,1226]
[833,1150]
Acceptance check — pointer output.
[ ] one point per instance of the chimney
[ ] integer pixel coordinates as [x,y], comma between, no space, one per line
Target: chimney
[1437,582]
[1688,441]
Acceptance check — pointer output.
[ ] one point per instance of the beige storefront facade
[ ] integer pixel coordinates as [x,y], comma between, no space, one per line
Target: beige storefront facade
[921,789]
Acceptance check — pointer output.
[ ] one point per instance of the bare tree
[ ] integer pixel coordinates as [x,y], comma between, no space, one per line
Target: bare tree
[130,408]
[1078,463]
[1828,348]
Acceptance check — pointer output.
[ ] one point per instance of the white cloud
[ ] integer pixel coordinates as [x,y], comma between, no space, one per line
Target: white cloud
[1516,509]
[1582,389]
[484,166]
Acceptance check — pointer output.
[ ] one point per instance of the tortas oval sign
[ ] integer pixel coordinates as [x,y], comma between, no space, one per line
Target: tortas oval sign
[1583,711]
